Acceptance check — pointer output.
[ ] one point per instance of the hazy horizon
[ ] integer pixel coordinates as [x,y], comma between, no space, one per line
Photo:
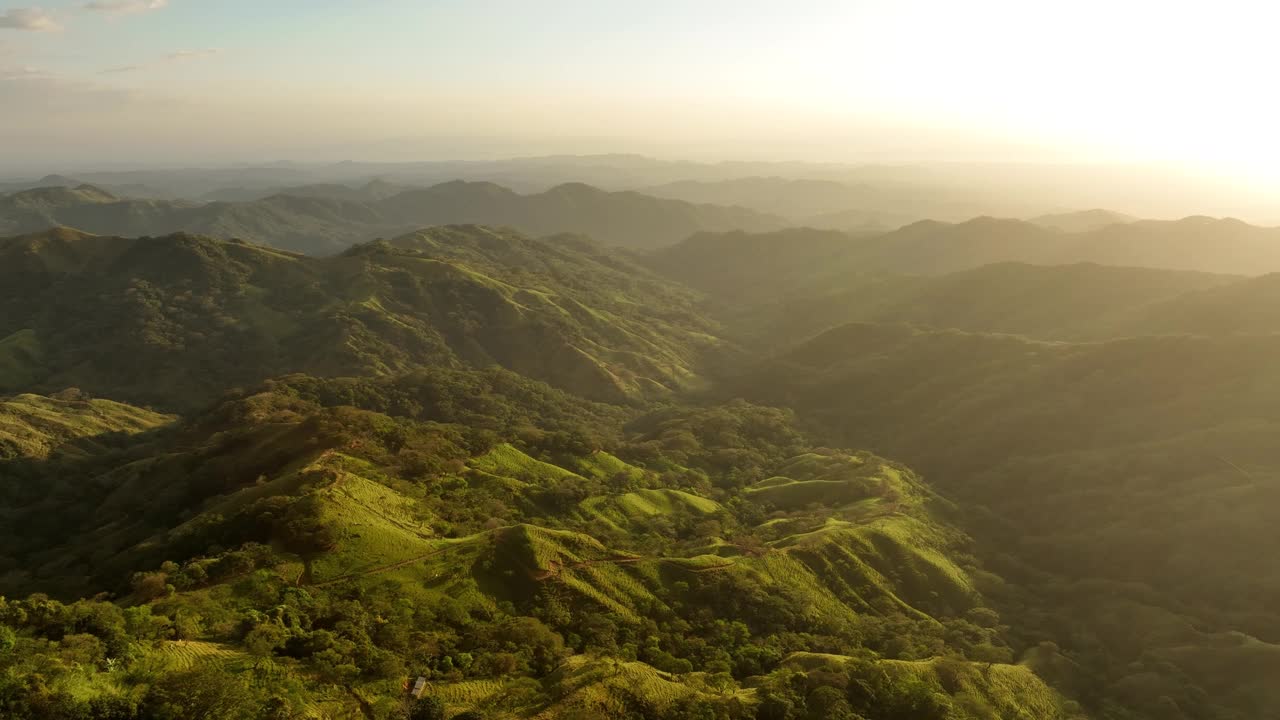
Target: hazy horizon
[666,360]
[193,82]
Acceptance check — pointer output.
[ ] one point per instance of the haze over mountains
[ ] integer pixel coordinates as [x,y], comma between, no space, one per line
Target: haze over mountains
[580,360]
[898,192]
[324,220]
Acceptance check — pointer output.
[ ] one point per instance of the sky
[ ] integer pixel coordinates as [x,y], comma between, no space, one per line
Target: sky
[187,81]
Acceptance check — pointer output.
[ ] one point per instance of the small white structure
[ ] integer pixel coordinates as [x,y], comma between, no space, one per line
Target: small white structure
[418,686]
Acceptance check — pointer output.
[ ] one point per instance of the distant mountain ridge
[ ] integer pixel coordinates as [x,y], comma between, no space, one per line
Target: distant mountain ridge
[834,204]
[372,191]
[1081,220]
[930,247]
[321,220]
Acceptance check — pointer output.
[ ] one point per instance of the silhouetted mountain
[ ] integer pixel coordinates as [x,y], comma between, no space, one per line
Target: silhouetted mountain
[620,218]
[1081,221]
[929,247]
[830,203]
[1054,302]
[1195,243]
[792,198]
[735,267]
[372,191]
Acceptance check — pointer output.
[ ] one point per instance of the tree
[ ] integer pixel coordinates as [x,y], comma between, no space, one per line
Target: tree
[263,640]
[775,707]
[202,693]
[828,703]
[427,708]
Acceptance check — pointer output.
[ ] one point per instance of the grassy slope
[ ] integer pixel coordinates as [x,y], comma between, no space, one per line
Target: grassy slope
[1135,468]
[985,690]
[877,543]
[873,554]
[34,426]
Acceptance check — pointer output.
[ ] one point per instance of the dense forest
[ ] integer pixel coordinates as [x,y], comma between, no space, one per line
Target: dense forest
[993,469]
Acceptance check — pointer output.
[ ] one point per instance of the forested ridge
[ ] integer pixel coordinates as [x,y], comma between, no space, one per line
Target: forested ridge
[779,477]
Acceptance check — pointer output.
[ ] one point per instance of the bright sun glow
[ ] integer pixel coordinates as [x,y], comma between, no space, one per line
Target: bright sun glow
[1002,80]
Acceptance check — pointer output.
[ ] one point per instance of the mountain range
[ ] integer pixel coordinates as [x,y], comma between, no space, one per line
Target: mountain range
[322,221]
[871,192]
[950,472]
[174,320]
[806,256]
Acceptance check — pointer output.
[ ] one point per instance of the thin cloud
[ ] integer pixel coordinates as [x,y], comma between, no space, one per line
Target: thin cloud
[177,56]
[186,54]
[21,73]
[125,7]
[33,93]
[31,19]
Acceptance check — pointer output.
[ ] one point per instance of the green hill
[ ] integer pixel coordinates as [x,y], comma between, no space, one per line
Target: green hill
[535,474]
[33,426]
[774,290]
[1052,302]
[1113,478]
[350,548]
[179,319]
[784,263]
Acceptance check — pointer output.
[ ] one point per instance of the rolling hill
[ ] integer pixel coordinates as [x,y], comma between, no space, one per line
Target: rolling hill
[1050,302]
[874,200]
[176,320]
[1082,220]
[629,219]
[779,288]
[523,469]
[1114,478]
[240,536]
[327,219]
[1200,244]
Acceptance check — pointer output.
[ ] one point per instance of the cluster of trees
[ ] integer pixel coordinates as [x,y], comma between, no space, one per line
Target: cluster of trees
[218,579]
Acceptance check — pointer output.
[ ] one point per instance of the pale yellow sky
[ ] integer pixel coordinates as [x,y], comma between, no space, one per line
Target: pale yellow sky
[199,80]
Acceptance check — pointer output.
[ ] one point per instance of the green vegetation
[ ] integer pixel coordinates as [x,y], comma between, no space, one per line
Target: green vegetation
[537,476]
[33,426]
[176,321]
[1108,480]
[628,567]
[929,247]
